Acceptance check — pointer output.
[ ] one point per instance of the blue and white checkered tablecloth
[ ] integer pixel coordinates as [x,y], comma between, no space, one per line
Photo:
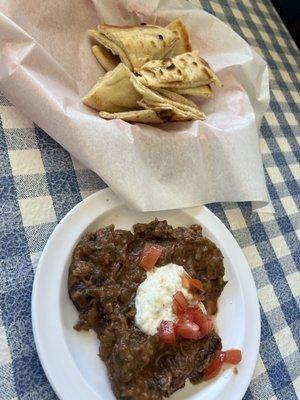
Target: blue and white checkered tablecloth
[40,182]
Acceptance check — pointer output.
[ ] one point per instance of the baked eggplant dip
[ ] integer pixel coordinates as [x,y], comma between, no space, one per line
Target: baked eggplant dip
[150,295]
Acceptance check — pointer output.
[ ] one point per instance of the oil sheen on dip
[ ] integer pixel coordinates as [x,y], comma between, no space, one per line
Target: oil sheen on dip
[154,297]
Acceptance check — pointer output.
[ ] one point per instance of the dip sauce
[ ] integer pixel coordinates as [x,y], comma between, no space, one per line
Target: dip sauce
[104,278]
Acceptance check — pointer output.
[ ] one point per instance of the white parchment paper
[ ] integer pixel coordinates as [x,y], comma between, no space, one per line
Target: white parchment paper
[46,66]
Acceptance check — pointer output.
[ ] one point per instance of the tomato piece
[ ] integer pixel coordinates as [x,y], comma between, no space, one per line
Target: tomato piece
[191,312]
[179,303]
[196,315]
[204,322]
[207,326]
[215,366]
[166,332]
[233,356]
[149,256]
[197,284]
[185,280]
[188,330]
[188,282]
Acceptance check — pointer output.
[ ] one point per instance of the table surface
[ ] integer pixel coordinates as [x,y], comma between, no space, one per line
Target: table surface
[40,182]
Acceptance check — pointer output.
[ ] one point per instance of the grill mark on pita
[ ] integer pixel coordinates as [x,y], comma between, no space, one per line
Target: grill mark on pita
[170,67]
[204,62]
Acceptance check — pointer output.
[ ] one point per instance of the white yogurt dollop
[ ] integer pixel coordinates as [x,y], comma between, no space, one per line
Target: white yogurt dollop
[154,298]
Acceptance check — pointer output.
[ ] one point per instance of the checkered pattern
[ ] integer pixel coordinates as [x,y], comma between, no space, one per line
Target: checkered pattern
[40,182]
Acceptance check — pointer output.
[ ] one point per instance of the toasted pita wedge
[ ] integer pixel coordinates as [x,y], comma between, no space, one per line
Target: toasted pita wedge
[181,72]
[175,97]
[164,98]
[183,45]
[135,45]
[201,91]
[114,92]
[106,58]
[168,112]
[143,116]
[111,47]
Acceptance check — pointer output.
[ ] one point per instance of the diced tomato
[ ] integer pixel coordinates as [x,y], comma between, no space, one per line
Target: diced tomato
[197,284]
[207,326]
[190,313]
[188,330]
[215,366]
[149,256]
[166,332]
[204,322]
[179,303]
[185,280]
[233,356]
[196,315]
[188,282]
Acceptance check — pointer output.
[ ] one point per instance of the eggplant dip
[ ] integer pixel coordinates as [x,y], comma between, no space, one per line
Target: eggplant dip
[150,296]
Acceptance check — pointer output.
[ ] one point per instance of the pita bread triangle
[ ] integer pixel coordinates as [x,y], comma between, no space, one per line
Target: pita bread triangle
[136,45]
[114,92]
[180,72]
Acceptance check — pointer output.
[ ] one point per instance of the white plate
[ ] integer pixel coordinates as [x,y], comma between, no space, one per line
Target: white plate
[70,358]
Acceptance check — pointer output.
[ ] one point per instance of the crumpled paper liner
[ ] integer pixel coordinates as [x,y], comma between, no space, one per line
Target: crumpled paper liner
[46,66]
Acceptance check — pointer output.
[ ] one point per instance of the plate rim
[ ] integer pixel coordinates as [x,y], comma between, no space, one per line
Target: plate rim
[58,387]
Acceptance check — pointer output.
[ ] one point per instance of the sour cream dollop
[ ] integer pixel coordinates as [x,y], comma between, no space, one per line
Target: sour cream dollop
[154,297]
